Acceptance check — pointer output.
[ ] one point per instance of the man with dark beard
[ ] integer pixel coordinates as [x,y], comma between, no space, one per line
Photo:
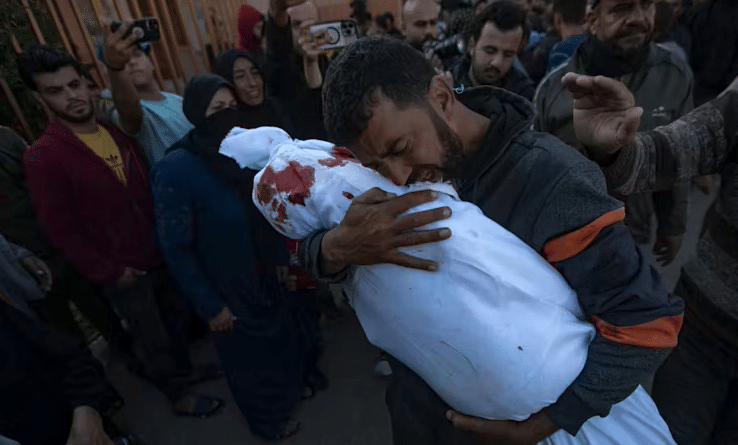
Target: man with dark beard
[384,102]
[620,47]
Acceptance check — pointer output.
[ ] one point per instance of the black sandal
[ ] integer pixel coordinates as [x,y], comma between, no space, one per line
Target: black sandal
[203,408]
[291,428]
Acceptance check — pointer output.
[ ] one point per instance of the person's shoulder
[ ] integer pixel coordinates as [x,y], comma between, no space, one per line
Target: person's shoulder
[666,59]
[561,161]
[553,151]
[177,161]
[47,147]
[551,82]
[172,96]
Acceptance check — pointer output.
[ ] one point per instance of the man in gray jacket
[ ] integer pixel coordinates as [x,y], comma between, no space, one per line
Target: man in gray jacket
[620,48]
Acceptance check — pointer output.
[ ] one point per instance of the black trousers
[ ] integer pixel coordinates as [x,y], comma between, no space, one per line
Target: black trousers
[696,389]
[157,317]
[417,413]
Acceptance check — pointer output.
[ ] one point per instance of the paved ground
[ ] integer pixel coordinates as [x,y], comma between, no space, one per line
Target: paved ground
[351,412]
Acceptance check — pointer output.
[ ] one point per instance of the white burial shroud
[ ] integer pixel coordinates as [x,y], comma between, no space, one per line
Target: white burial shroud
[496,332]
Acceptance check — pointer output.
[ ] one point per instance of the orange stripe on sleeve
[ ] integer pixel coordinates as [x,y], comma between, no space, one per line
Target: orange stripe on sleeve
[659,333]
[566,246]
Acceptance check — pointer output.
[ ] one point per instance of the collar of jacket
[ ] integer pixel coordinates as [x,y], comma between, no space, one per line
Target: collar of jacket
[57,131]
[509,115]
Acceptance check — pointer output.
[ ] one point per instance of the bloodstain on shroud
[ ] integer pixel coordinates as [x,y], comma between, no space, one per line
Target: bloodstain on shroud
[295,180]
[340,157]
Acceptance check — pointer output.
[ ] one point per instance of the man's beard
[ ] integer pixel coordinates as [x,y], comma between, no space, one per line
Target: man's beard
[453,151]
[420,44]
[489,76]
[629,52]
[75,119]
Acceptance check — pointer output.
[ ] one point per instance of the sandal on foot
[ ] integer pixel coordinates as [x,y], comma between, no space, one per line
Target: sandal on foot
[308,392]
[318,381]
[291,428]
[203,408]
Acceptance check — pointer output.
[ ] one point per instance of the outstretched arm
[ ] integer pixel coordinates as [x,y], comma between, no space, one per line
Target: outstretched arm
[606,122]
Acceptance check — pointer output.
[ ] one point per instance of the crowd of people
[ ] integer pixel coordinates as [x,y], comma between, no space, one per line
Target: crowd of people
[546,114]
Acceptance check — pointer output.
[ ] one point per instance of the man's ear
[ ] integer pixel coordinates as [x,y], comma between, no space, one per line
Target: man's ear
[523,43]
[558,22]
[441,95]
[592,22]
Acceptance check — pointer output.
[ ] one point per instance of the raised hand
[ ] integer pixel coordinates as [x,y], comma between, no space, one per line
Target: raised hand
[117,51]
[605,116]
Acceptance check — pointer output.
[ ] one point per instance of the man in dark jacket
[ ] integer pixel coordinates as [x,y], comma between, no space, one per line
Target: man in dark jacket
[90,187]
[620,48]
[285,75]
[494,40]
[47,379]
[533,185]
[53,390]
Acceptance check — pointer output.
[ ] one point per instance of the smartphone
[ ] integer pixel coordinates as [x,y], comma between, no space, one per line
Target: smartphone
[339,34]
[149,26]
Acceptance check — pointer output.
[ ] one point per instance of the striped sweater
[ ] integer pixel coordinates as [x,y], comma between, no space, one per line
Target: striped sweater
[702,142]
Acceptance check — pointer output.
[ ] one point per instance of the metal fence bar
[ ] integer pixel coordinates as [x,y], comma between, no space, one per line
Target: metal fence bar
[198,34]
[51,7]
[34,23]
[188,39]
[16,108]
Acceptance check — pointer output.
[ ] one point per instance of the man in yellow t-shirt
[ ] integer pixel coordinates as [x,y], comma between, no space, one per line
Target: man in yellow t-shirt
[104,146]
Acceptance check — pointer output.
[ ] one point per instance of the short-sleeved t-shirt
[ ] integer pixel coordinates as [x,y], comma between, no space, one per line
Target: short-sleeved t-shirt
[104,146]
[164,123]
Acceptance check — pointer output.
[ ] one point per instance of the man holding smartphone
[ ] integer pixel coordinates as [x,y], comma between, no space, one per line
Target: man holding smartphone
[141,109]
[295,74]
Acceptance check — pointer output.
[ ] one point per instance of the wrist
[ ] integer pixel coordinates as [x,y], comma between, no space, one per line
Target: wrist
[603,160]
[86,411]
[332,261]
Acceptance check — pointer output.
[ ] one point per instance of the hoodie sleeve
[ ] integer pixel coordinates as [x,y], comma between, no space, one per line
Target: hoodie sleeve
[698,143]
[637,319]
[75,375]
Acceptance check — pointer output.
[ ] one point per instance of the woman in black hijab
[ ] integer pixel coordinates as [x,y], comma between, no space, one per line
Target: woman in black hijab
[225,256]
[245,71]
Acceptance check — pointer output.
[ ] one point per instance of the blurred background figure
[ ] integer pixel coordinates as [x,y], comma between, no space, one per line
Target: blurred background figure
[663,24]
[296,64]
[569,18]
[713,25]
[420,20]
[495,38]
[250,29]
[245,71]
